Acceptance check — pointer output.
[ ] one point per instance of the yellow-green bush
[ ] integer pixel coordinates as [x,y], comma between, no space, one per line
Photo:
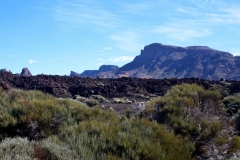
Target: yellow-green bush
[222,139]
[221,89]
[136,139]
[183,107]
[232,100]
[209,129]
[91,102]
[235,146]
[30,111]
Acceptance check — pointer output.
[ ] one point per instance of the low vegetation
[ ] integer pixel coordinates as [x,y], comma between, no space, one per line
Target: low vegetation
[187,109]
[54,128]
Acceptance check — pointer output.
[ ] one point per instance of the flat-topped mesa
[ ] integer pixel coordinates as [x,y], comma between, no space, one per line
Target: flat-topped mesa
[161,47]
[158,49]
[25,72]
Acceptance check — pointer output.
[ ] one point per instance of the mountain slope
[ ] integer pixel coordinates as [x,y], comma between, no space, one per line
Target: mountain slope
[164,61]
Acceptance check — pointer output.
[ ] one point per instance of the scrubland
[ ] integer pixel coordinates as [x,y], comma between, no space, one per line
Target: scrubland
[184,123]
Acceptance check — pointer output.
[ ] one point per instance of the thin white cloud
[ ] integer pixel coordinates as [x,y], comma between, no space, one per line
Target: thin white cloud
[178,32]
[127,41]
[121,59]
[82,13]
[135,8]
[107,48]
[32,61]
[212,12]
[102,60]
[140,8]
[226,42]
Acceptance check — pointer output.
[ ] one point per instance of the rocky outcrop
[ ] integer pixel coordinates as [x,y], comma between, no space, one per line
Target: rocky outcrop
[3,70]
[25,72]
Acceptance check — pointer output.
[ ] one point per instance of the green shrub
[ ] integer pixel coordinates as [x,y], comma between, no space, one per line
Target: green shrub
[183,107]
[91,102]
[221,89]
[232,100]
[127,113]
[221,140]
[209,129]
[235,146]
[21,148]
[29,111]
[16,148]
[100,98]
[138,139]
[54,150]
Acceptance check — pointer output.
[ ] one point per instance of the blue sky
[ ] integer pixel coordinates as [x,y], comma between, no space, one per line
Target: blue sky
[57,36]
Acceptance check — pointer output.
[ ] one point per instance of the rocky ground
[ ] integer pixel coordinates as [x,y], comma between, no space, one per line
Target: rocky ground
[66,86]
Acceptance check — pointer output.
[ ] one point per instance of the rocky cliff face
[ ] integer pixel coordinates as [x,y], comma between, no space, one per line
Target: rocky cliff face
[164,61]
[25,72]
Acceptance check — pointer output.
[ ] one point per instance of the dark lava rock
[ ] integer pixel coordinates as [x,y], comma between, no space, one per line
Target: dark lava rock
[66,86]
[5,85]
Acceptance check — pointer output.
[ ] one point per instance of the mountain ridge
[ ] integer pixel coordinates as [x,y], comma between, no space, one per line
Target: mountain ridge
[166,61]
